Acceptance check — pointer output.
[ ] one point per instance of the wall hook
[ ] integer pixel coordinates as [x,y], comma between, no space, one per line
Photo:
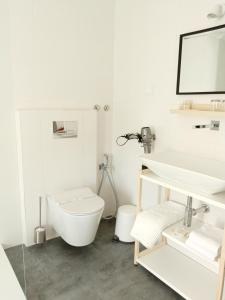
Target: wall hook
[106,108]
[97,107]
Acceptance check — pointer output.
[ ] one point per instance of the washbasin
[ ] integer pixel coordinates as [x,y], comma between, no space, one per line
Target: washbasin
[206,175]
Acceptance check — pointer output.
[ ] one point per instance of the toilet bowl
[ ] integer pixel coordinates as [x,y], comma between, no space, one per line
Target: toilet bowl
[75,215]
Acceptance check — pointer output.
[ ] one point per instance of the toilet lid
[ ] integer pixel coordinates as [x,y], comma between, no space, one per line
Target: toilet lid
[83,205]
[68,195]
[80,201]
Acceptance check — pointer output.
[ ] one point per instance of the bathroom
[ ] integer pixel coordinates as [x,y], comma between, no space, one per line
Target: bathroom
[59,59]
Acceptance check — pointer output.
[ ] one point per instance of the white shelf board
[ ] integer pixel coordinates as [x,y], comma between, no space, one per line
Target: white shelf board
[187,277]
[206,113]
[217,200]
[179,242]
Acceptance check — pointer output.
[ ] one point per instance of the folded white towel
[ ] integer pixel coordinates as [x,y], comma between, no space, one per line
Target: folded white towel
[149,224]
[206,240]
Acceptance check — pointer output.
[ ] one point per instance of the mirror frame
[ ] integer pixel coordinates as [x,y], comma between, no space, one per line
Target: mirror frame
[178,92]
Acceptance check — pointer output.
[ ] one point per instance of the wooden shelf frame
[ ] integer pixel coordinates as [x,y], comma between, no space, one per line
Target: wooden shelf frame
[217,200]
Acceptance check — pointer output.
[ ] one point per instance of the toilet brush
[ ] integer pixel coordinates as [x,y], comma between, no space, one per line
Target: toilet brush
[40,232]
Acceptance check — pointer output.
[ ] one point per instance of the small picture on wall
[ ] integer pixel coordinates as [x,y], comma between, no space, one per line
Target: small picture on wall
[65,129]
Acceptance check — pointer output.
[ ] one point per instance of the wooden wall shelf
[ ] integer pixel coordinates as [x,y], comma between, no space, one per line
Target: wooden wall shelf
[206,113]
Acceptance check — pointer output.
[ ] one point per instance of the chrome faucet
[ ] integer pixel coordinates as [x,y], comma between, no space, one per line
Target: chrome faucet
[190,212]
[214,125]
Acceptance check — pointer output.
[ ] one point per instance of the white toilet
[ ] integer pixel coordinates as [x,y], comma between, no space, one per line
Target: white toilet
[75,215]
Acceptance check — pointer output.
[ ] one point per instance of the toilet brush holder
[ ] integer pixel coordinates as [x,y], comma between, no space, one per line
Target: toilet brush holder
[40,231]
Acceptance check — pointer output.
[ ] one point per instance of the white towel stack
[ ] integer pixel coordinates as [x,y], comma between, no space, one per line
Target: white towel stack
[149,224]
[206,241]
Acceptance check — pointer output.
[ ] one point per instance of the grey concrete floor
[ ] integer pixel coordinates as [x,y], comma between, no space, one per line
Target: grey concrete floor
[15,256]
[101,271]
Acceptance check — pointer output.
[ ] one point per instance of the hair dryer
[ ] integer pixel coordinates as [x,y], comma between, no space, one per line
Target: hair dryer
[145,137]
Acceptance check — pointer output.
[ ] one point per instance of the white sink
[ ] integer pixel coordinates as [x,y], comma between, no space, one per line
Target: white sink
[207,175]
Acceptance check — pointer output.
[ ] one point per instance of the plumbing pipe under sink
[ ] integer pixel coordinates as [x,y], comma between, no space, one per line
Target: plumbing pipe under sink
[190,212]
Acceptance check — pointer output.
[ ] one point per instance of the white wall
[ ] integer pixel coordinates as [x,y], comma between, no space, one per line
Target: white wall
[146,53]
[10,226]
[62,52]
[62,55]
[54,54]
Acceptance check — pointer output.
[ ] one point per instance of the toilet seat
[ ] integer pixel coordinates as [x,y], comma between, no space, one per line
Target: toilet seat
[79,202]
[83,205]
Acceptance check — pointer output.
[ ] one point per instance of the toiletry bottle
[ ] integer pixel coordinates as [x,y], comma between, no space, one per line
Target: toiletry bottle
[187,104]
[215,105]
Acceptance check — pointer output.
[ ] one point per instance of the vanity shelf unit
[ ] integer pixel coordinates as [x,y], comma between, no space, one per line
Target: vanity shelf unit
[186,276]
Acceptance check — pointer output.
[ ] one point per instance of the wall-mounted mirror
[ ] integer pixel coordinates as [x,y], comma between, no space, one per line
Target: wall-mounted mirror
[201,62]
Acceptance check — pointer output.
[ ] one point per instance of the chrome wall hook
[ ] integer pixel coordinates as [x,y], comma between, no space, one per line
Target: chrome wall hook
[97,107]
[106,108]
